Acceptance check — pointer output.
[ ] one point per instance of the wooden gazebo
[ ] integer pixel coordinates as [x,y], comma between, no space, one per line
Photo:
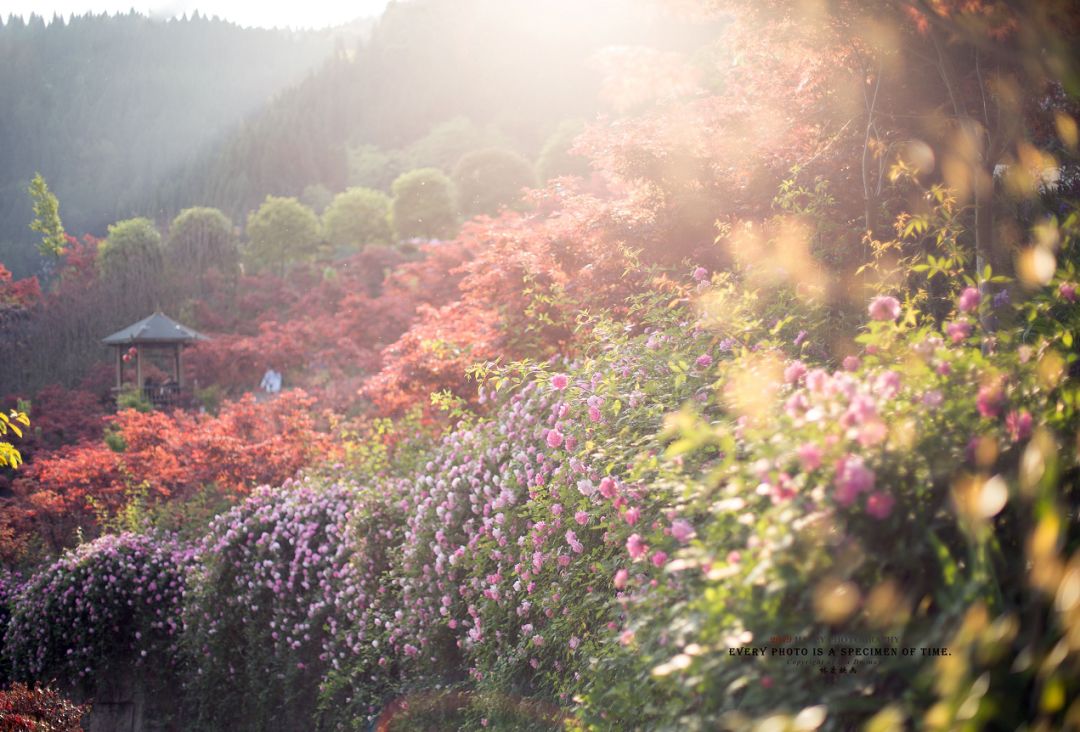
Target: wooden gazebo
[156,341]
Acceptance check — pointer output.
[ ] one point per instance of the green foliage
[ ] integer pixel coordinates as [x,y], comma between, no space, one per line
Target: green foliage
[132,250]
[47,218]
[9,455]
[446,143]
[555,157]
[423,205]
[316,196]
[115,438]
[373,167]
[131,397]
[184,82]
[358,217]
[488,180]
[210,397]
[282,231]
[200,239]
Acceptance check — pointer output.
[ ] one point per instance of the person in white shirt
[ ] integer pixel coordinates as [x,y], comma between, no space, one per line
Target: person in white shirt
[271,381]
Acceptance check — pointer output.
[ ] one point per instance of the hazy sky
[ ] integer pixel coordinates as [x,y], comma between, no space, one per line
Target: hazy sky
[265,13]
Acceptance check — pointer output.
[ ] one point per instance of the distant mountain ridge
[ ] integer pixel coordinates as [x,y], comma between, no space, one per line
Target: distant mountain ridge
[107,107]
[515,69]
[129,116]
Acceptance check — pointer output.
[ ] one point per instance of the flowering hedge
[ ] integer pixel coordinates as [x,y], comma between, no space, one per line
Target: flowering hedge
[282,583]
[111,603]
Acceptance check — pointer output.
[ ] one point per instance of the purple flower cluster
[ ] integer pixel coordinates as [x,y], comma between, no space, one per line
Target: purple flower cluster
[284,571]
[116,599]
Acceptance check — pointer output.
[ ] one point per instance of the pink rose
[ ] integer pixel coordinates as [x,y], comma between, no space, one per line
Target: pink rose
[884,307]
[1067,291]
[636,546]
[554,438]
[809,456]
[880,505]
[969,300]
[852,478]
[682,530]
[795,371]
[559,381]
[620,579]
[659,559]
[1019,425]
[958,330]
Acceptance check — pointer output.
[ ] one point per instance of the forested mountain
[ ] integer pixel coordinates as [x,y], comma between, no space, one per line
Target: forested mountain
[125,115]
[108,107]
[417,77]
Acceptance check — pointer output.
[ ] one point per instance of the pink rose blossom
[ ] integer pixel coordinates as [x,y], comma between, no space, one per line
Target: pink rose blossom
[559,381]
[701,274]
[872,432]
[607,488]
[704,361]
[795,371]
[851,363]
[852,478]
[1067,291]
[632,515]
[581,517]
[884,307]
[620,579]
[887,384]
[880,505]
[817,380]
[659,559]
[969,300]
[1019,425]
[809,456]
[554,438]
[682,530]
[636,547]
[958,331]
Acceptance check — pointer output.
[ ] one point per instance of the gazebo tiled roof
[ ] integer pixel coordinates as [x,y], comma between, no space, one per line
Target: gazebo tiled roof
[158,328]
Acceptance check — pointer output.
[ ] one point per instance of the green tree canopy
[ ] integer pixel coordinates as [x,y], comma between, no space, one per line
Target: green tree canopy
[282,231]
[490,179]
[423,205]
[445,143]
[316,196]
[200,239]
[46,218]
[555,157]
[131,250]
[357,217]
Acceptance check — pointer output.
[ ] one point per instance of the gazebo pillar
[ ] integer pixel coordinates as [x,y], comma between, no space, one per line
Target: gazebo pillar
[119,369]
[177,350]
[138,367]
